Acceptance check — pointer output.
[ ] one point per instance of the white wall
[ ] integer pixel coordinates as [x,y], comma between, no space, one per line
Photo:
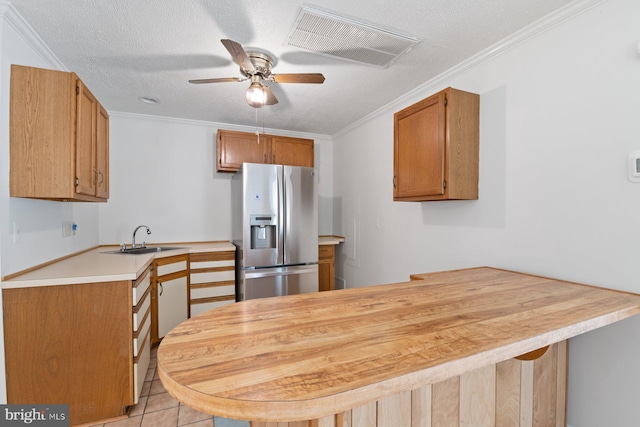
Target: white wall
[559,115]
[163,175]
[558,118]
[39,222]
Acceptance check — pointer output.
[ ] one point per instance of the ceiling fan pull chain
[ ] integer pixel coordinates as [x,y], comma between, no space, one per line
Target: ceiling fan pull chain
[257,128]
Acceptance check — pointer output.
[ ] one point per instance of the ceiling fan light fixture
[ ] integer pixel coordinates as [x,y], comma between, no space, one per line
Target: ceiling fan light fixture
[256,95]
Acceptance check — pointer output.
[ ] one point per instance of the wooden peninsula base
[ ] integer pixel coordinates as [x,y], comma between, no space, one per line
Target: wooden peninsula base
[448,349]
[513,393]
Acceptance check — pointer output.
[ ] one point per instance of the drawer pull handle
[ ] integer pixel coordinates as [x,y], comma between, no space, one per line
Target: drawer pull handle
[161,288]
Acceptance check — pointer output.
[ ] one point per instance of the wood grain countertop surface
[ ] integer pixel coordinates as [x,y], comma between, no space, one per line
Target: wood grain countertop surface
[303,357]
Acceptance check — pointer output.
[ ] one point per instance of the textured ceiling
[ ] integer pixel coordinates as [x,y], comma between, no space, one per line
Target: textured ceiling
[124,49]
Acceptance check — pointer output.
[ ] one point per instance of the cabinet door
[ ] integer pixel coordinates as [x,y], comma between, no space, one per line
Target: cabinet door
[42,117]
[235,148]
[419,149]
[102,153]
[326,268]
[291,151]
[55,125]
[172,304]
[86,172]
[70,344]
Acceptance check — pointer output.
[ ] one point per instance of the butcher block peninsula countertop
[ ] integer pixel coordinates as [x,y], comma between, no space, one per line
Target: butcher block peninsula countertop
[98,265]
[308,357]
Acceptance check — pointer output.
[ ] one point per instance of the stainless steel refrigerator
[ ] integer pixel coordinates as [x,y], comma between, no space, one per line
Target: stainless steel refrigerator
[275,230]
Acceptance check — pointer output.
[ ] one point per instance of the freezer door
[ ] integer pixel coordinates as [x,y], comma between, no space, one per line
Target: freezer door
[278,281]
[262,235]
[300,215]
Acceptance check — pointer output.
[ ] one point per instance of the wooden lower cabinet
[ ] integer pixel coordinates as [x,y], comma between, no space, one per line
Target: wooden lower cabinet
[326,267]
[512,393]
[213,282]
[71,344]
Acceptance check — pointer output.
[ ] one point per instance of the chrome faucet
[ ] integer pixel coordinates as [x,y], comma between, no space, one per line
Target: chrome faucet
[133,240]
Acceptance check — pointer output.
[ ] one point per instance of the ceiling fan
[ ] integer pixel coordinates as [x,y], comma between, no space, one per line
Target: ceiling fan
[256,66]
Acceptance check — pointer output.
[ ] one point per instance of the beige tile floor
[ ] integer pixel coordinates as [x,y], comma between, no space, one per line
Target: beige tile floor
[157,408]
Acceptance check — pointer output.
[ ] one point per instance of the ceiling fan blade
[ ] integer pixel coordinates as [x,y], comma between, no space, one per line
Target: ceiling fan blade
[298,78]
[238,54]
[271,98]
[218,80]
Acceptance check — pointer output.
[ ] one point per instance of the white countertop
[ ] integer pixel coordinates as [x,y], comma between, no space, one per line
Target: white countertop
[330,240]
[96,265]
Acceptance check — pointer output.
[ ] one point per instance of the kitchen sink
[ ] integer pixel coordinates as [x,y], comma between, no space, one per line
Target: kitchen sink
[145,250]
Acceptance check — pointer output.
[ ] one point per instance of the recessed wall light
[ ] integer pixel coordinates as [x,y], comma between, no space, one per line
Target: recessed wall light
[148,100]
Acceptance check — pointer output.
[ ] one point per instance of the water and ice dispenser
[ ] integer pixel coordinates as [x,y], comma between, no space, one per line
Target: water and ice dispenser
[264,231]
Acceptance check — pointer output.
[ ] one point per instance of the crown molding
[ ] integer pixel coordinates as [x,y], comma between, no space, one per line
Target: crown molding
[218,125]
[9,15]
[542,25]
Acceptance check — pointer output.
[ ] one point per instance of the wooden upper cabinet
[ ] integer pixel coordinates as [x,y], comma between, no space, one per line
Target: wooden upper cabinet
[436,148]
[85,141]
[59,137]
[102,153]
[235,148]
[291,151]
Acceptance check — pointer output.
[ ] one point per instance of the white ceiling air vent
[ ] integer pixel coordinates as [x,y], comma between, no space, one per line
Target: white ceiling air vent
[330,34]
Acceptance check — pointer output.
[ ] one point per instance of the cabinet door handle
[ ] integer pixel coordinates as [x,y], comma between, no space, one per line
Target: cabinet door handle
[394,181]
[101,175]
[161,288]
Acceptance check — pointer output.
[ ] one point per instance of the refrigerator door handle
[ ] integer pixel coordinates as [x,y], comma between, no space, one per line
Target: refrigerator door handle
[281,215]
[279,271]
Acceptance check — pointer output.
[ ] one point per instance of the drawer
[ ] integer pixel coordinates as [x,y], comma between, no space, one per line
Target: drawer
[203,307]
[140,288]
[139,340]
[325,251]
[213,276]
[141,311]
[212,291]
[212,264]
[140,367]
[212,256]
[171,268]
